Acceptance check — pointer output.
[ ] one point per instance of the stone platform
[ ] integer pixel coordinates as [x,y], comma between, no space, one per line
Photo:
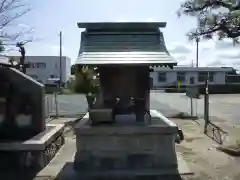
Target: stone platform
[126,148]
[34,153]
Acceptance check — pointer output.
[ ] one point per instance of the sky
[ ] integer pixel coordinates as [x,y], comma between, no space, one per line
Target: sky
[48,17]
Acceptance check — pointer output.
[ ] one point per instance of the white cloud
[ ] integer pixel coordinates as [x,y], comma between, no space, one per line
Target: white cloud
[125,20]
[179,48]
[150,20]
[225,44]
[41,49]
[21,25]
[121,20]
[228,54]
[179,57]
[211,53]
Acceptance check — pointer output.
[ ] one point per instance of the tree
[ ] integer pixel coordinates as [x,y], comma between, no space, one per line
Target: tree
[215,17]
[10,11]
[73,67]
[1,46]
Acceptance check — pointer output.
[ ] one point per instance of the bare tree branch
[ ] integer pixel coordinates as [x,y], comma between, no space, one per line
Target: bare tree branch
[2,4]
[191,6]
[213,19]
[10,11]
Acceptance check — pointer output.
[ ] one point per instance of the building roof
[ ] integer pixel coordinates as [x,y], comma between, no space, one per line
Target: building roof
[194,69]
[121,25]
[143,45]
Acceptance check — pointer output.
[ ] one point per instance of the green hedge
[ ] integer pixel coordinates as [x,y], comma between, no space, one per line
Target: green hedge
[213,89]
[49,89]
[221,89]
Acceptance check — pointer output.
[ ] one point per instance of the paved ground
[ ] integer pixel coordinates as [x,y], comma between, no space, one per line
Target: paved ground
[198,151]
[222,107]
[68,104]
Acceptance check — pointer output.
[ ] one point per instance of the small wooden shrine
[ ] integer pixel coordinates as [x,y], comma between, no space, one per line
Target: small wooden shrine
[124,54]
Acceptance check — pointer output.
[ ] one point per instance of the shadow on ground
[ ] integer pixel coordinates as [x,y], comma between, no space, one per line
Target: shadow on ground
[216,133]
[67,173]
[12,175]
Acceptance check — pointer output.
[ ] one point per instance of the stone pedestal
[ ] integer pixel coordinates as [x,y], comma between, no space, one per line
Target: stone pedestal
[32,154]
[126,148]
[100,116]
[22,113]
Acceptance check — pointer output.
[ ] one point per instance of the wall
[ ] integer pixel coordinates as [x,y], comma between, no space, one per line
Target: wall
[220,78]
[171,78]
[68,69]
[51,69]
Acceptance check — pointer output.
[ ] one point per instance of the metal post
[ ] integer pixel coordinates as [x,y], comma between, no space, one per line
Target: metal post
[191,101]
[206,105]
[56,104]
[51,105]
[47,106]
[197,41]
[60,63]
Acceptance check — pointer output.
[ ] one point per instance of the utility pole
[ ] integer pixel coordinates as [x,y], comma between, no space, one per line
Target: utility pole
[197,41]
[60,61]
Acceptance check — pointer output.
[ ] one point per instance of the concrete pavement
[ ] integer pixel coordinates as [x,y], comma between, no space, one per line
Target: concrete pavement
[222,107]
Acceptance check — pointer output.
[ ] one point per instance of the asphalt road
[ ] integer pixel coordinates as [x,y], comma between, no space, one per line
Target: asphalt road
[223,107]
[76,104]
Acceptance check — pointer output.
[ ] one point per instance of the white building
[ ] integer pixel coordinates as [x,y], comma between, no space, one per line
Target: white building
[42,68]
[163,76]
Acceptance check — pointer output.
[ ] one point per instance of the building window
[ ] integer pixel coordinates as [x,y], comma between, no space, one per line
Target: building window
[161,77]
[181,76]
[53,76]
[203,75]
[192,80]
[39,65]
[27,65]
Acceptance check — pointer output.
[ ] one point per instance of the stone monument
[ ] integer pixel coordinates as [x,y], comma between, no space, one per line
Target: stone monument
[129,139]
[26,141]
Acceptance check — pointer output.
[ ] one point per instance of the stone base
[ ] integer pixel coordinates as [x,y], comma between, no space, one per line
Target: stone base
[126,148]
[34,153]
[100,116]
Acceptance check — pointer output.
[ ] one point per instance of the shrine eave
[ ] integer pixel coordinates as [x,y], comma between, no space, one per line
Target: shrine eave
[128,63]
[121,25]
[126,58]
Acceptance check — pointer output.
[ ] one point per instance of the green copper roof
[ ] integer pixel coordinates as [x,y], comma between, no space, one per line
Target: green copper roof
[124,46]
[121,25]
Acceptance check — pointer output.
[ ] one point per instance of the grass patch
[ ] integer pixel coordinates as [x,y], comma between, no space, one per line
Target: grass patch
[232,149]
[183,115]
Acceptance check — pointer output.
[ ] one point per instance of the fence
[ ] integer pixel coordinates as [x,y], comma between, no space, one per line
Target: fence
[65,105]
[49,106]
[169,104]
[175,104]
